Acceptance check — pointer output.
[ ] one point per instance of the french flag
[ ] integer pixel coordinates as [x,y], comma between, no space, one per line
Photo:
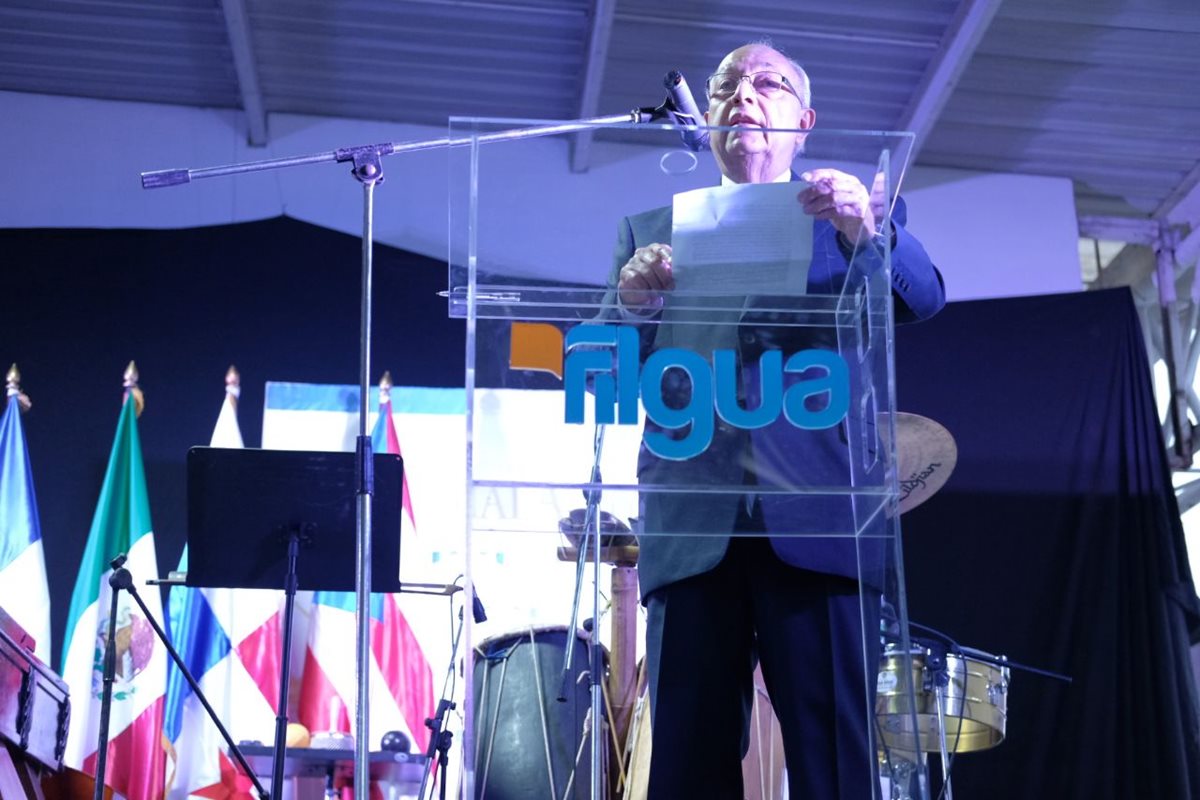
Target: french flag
[24,593]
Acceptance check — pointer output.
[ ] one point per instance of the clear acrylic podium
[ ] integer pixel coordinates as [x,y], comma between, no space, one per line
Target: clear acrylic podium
[767,395]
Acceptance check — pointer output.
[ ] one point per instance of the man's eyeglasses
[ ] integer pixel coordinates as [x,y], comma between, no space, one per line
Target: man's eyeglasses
[724,85]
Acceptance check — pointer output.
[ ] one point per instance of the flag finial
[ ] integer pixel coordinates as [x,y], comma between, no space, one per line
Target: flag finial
[130,382]
[385,387]
[12,383]
[233,382]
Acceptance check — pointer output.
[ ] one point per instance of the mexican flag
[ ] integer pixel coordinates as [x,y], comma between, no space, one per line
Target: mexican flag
[121,525]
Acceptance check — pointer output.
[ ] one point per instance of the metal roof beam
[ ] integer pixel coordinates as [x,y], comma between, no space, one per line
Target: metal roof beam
[958,44]
[1188,495]
[1131,230]
[780,31]
[1182,204]
[599,33]
[237,25]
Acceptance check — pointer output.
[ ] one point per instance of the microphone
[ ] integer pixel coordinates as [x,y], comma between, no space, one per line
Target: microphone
[683,108]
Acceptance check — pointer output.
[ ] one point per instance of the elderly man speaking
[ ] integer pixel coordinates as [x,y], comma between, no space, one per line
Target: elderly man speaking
[716,602]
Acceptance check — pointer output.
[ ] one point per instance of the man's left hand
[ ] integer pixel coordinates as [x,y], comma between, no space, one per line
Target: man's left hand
[840,198]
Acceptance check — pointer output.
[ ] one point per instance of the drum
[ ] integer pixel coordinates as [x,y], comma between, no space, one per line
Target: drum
[527,744]
[974,700]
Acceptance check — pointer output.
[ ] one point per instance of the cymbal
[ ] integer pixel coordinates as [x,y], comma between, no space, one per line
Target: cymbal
[925,457]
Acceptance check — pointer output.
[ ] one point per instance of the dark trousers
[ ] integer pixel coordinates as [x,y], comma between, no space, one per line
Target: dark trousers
[806,630]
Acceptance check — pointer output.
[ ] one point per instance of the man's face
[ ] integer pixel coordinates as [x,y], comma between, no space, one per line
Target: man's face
[750,112]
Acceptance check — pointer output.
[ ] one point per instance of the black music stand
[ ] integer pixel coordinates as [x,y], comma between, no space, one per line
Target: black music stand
[251,513]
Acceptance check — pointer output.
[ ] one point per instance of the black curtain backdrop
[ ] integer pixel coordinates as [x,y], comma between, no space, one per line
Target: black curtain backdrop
[278,298]
[1056,542]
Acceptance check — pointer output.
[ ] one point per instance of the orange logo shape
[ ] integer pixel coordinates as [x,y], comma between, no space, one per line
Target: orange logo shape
[538,346]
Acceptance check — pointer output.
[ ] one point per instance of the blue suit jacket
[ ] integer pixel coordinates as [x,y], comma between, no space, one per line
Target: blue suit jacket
[737,456]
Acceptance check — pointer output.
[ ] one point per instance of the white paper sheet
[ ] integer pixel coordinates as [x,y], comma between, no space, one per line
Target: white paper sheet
[750,238]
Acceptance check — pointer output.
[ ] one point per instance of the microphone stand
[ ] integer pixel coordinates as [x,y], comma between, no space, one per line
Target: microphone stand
[368,171]
[157,179]
[122,579]
[591,533]
[440,738]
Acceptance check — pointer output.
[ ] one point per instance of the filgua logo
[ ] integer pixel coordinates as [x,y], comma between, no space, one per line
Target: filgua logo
[603,360]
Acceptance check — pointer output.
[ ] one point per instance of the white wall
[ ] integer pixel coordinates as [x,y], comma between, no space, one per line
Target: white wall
[79,162]
[996,235]
[75,162]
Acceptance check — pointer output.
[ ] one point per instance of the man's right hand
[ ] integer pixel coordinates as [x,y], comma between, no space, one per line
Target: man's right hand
[645,276]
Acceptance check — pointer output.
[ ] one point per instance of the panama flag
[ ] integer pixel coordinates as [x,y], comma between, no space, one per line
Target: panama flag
[230,640]
[24,593]
[401,680]
[121,525]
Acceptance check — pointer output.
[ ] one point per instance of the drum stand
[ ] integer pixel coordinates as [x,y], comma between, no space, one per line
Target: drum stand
[937,678]
[900,774]
[939,694]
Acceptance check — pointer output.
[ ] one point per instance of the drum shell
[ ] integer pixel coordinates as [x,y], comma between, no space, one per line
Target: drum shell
[974,703]
[513,696]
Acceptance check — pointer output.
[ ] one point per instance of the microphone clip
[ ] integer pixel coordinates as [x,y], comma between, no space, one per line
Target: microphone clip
[664,112]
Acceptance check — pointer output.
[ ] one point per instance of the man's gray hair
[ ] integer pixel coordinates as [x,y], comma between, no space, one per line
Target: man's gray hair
[804,90]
